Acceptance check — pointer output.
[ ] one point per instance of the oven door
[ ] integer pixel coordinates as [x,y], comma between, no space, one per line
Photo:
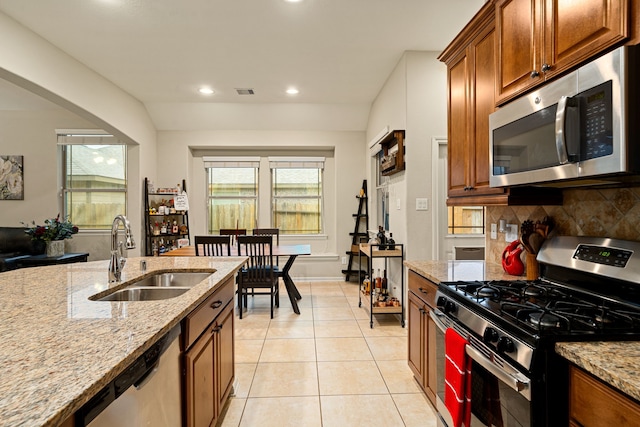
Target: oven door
[501,395]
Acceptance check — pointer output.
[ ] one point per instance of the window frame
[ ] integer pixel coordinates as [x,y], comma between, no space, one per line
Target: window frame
[231,163]
[316,164]
[88,138]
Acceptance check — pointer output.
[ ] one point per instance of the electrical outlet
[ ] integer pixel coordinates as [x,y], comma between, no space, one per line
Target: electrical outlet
[344,260]
[422,204]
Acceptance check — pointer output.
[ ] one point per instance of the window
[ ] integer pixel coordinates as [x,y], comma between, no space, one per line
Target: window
[296,190]
[232,193]
[466,219]
[382,189]
[94,179]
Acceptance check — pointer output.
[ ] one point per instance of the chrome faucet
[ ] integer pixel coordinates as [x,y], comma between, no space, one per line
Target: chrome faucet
[117,248]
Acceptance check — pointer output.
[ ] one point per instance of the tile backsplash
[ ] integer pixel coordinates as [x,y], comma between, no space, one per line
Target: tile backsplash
[612,213]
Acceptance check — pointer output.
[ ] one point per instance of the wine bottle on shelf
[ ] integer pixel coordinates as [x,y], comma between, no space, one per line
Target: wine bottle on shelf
[378,281]
[382,238]
[391,244]
[384,283]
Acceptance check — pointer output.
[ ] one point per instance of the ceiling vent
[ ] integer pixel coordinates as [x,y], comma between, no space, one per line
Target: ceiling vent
[245,91]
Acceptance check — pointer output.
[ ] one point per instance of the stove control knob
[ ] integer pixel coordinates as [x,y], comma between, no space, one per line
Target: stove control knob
[505,345]
[490,335]
[449,306]
[441,302]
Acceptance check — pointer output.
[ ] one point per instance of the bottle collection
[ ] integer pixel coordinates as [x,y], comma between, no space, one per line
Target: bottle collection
[159,247]
[378,288]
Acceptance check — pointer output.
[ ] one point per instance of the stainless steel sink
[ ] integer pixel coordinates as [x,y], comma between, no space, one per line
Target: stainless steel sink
[155,287]
[144,294]
[178,279]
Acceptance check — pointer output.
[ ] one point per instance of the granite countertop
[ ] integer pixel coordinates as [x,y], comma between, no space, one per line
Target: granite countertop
[59,348]
[450,271]
[612,362]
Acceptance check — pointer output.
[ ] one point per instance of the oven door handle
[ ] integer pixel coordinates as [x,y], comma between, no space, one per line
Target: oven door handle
[519,384]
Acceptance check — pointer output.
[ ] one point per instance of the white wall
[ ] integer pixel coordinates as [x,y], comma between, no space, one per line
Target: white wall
[414,99]
[33,63]
[180,157]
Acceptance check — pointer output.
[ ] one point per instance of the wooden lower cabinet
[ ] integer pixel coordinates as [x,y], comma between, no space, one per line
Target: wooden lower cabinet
[592,403]
[208,367]
[422,334]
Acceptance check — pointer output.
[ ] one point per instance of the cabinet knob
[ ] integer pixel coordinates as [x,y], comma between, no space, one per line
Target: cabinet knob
[545,67]
[534,74]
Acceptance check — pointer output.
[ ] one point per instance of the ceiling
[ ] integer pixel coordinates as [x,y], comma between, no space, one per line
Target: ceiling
[338,53]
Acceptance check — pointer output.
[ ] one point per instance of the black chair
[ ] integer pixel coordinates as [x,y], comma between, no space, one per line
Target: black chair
[270,232]
[234,233]
[259,272]
[213,245]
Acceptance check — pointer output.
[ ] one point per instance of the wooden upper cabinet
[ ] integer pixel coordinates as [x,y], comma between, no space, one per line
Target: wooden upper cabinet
[519,46]
[470,63]
[539,39]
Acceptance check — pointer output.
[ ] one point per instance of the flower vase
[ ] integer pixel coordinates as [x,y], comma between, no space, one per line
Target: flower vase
[55,248]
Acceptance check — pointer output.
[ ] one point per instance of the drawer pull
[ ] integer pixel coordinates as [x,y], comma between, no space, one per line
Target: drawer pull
[423,290]
[216,304]
[216,329]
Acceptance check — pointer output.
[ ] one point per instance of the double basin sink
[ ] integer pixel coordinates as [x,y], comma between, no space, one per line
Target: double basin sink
[157,286]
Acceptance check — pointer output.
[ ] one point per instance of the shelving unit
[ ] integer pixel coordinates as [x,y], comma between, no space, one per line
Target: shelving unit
[371,252]
[155,239]
[361,219]
[393,153]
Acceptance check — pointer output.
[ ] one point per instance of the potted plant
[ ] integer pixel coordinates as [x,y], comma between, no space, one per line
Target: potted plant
[53,233]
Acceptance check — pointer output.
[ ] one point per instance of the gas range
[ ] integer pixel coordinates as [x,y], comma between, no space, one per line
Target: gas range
[589,290]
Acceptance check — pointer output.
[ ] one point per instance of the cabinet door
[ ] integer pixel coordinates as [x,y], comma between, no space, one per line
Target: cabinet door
[415,338]
[199,382]
[519,46]
[482,104]
[576,31]
[458,144]
[224,355]
[593,403]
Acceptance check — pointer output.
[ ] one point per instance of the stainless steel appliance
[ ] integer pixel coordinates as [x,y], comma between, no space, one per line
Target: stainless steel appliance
[589,290]
[577,127]
[147,393]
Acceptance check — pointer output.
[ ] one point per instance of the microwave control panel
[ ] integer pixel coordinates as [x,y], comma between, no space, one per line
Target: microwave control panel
[597,133]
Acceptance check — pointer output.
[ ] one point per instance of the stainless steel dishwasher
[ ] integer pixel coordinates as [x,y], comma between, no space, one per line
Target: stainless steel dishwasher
[147,393]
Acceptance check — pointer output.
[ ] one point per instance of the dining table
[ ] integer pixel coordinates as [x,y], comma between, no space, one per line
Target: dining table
[291,252]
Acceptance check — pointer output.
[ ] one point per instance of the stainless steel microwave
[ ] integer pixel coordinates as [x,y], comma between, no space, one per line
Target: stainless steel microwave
[581,129]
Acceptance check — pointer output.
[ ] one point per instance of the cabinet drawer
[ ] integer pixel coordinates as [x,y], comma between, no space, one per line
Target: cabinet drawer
[424,288]
[203,315]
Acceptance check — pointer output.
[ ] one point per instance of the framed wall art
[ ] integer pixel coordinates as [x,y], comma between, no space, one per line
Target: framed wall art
[11,177]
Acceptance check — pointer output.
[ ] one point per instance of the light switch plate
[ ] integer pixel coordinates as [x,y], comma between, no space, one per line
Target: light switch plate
[422,204]
[398,204]
[494,231]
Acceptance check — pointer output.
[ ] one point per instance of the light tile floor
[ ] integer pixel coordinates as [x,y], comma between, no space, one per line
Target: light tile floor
[325,367]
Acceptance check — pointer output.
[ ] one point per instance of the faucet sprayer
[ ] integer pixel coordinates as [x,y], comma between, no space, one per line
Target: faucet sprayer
[118,260]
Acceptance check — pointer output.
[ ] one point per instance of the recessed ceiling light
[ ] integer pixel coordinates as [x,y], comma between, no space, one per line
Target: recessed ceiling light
[293,1]
[293,91]
[205,90]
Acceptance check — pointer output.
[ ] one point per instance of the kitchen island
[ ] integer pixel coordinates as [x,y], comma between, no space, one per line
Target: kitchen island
[59,348]
[610,361]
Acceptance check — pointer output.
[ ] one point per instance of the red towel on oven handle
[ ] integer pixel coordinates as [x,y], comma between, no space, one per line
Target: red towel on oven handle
[457,396]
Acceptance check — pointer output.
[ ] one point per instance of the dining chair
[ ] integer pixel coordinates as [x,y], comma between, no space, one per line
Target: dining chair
[259,272]
[213,245]
[234,233]
[270,232]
